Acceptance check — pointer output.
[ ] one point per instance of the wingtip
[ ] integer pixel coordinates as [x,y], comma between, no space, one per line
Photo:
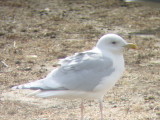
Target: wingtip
[14,88]
[17,87]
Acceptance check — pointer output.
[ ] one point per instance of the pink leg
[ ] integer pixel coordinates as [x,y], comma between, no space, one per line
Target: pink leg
[82,109]
[101,108]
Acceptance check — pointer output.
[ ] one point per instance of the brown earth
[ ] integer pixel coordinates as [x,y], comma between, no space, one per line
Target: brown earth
[34,34]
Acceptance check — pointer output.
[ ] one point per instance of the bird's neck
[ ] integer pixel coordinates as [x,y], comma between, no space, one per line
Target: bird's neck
[118,59]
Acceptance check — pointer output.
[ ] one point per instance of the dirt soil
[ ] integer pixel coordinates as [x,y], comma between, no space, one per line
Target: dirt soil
[34,34]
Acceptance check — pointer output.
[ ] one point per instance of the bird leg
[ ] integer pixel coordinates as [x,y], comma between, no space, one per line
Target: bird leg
[101,108]
[82,109]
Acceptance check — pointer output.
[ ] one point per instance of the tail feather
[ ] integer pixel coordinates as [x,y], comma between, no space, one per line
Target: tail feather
[53,93]
[32,85]
[46,94]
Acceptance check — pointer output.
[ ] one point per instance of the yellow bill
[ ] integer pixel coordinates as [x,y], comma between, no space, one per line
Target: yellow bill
[131,45]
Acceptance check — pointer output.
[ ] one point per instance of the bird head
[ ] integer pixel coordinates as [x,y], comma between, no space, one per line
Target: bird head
[113,43]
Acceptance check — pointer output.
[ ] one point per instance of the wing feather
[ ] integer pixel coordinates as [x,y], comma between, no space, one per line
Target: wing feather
[83,71]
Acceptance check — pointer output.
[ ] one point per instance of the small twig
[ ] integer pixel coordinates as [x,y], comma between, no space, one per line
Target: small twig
[4,64]
[155,108]
[14,44]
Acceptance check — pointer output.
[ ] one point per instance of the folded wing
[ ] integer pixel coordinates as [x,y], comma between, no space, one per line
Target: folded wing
[82,71]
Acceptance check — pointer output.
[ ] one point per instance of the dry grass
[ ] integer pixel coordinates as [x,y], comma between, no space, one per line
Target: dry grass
[54,29]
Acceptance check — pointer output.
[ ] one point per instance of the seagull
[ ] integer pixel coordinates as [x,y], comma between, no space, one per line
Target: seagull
[85,75]
[151,3]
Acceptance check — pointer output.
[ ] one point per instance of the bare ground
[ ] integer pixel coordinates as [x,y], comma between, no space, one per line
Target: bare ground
[34,34]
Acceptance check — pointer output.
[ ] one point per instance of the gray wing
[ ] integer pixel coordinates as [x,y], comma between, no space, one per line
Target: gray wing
[83,71]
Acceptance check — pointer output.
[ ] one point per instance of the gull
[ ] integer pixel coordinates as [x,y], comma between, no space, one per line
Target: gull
[85,75]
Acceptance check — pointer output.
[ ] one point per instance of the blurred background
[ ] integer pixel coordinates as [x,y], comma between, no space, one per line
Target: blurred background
[35,34]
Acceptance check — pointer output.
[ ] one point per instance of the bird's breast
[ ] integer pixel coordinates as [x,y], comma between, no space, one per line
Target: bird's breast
[108,82]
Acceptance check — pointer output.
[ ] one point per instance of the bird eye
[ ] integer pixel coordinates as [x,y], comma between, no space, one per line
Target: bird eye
[113,42]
